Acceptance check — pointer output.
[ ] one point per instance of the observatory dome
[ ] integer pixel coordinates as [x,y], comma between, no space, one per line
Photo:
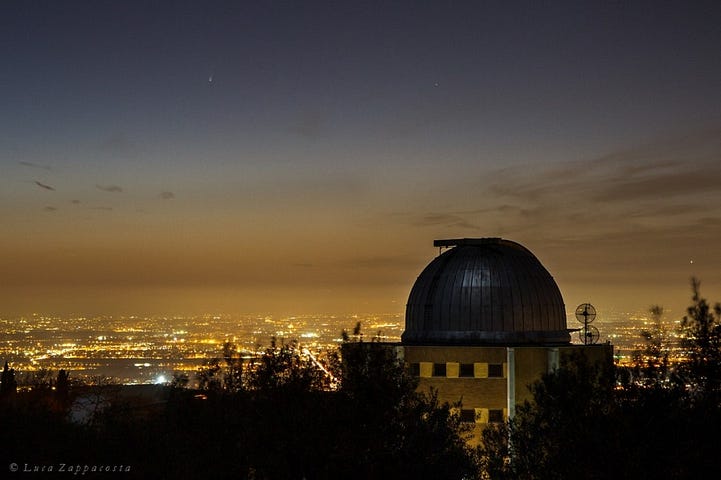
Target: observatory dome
[485,291]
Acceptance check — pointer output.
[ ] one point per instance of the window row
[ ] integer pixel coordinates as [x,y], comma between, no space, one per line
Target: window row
[482,415]
[458,370]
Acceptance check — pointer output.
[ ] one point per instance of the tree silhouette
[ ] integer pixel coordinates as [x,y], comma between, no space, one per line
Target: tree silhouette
[209,376]
[701,339]
[651,362]
[8,384]
[62,390]
[233,376]
[284,366]
[225,374]
[296,416]
[660,424]
[394,430]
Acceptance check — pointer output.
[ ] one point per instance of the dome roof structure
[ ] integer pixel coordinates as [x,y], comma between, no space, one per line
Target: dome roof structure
[485,291]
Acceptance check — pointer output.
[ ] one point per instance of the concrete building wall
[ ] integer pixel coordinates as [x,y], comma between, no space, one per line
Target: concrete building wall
[531,363]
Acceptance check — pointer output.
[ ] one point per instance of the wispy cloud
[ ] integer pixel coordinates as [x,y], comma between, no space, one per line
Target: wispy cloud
[167,195]
[43,185]
[450,220]
[691,180]
[670,170]
[110,188]
[635,208]
[36,165]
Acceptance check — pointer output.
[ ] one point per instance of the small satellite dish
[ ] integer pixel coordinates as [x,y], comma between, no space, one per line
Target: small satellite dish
[585,313]
[589,335]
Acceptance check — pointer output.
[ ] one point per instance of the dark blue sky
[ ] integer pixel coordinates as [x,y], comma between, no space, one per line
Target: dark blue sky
[280,155]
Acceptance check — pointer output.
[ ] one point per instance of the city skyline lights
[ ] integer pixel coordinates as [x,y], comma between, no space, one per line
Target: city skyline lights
[139,349]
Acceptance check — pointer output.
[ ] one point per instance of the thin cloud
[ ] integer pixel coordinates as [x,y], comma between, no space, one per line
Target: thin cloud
[50,209]
[442,219]
[632,207]
[42,185]
[667,210]
[679,183]
[167,195]
[110,188]
[36,165]
[675,168]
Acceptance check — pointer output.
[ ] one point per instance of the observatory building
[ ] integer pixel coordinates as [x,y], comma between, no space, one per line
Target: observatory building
[484,320]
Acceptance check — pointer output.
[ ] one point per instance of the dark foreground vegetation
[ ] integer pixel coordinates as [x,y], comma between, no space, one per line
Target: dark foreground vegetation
[284,418]
[655,420]
[289,416]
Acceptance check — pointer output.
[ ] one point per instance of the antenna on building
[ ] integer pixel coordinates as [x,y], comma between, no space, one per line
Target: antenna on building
[586,313]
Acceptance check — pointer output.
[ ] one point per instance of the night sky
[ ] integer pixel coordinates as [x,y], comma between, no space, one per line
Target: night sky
[301,157]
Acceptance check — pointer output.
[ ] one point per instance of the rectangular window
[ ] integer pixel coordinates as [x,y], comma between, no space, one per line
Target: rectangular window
[495,370]
[414,369]
[495,416]
[439,369]
[468,416]
[466,370]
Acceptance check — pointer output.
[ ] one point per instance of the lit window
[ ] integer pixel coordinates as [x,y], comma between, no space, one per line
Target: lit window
[439,369]
[465,370]
[495,370]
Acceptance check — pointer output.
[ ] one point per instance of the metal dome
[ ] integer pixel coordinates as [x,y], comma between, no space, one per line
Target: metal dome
[485,291]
